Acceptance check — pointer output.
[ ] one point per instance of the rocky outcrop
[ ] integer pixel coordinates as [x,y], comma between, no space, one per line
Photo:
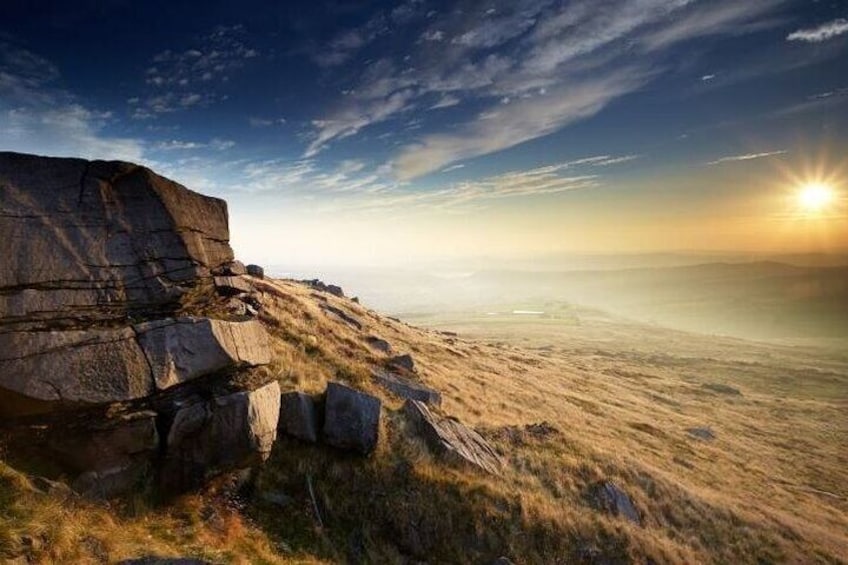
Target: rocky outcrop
[256,271]
[451,440]
[95,240]
[351,419]
[97,258]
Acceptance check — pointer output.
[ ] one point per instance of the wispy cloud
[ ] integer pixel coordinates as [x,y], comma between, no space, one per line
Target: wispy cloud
[820,33]
[747,157]
[516,123]
[537,54]
[453,168]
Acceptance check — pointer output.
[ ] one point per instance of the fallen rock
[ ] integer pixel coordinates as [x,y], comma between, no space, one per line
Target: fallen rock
[404,361]
[351,419]
[98,240]
[378,343]
[451,440]
[256,271]
[182,349]
[298,416]
[330,288]
[407,389]
[342,315]
[228,432]
[606,496]
[231,286]
[45,371]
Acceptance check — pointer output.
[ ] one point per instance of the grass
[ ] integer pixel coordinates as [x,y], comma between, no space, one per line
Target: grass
[616,399]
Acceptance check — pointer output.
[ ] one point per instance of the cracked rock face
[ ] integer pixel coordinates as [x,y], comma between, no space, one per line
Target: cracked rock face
[47,371]
[96,240]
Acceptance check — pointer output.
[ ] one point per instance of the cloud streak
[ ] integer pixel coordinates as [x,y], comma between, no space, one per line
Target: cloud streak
[747,157]
[820,33]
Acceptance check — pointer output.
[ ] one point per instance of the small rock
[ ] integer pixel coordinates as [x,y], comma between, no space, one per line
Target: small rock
[606,496]
[107,483]
[298,417]
[407,389]
[256,271]
[378,343]
[404,361]
[704,433]
[232,285]
[55,489]
[352,419]
[31,543]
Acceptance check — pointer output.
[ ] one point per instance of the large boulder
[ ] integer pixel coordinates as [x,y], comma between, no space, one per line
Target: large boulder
[183,349]
[231,431]
[351,419]
[451,440]
[96,240]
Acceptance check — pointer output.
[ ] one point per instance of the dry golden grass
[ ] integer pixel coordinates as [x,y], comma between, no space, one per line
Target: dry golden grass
[770,487]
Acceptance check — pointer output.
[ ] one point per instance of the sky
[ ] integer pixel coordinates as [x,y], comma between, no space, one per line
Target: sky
[400,133]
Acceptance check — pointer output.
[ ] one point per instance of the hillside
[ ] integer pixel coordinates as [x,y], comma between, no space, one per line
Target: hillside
[613,442]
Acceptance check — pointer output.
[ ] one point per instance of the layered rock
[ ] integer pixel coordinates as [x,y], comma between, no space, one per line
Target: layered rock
[96,258]
[96,240]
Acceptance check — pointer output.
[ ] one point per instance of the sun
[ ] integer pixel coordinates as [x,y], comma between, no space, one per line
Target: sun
[815,196]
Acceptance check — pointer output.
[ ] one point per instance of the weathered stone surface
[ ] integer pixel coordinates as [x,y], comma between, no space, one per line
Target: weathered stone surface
[351,419]
[606,496]
[231,285]
[41,370]
[298,416]
[378,343]
[451,440]
[96,240]
[406,388]
[256,271]
[232,431]
[108,444]
[182,349]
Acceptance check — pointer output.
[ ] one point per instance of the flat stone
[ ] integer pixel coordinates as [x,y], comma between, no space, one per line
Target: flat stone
[298,416]
[406,388]
[228,432]
[451,440]
[351,419]
[405,362]
[703,433]
[231,285]
[45,371]
[182,349]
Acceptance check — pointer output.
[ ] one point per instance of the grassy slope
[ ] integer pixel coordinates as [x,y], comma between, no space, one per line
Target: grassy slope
[769,488]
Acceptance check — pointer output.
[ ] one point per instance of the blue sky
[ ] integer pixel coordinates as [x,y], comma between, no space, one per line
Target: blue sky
[352,131]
